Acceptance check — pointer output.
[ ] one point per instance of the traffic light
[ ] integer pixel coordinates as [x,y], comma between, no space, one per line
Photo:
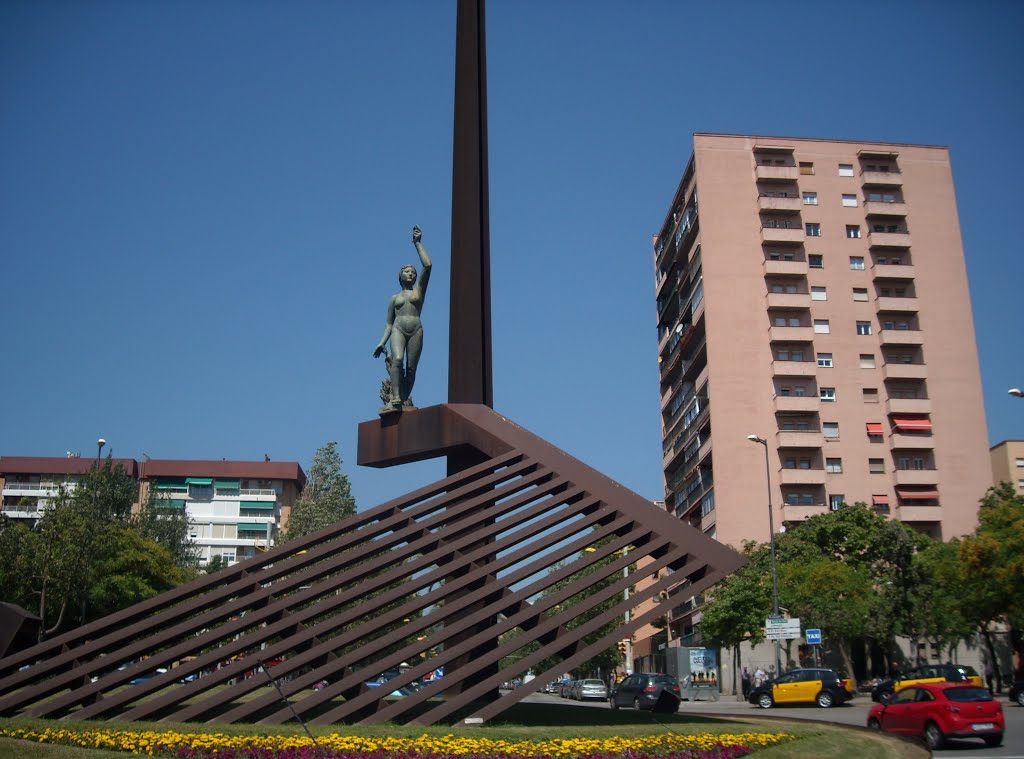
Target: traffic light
[622,649]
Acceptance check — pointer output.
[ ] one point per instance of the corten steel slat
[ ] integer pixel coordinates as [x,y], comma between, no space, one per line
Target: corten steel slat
[375,581]
[118,626]
[469,331]
[165,658]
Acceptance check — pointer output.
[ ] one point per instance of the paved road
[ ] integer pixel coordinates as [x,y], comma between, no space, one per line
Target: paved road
[854,713]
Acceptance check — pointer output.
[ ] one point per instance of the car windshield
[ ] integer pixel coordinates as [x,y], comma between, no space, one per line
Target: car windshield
[593,682]
[663,680]
[968,694]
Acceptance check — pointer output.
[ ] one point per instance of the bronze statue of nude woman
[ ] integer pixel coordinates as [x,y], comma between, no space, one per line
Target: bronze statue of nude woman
[404,328]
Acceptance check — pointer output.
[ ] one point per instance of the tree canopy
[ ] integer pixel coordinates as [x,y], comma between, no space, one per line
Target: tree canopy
[326,499]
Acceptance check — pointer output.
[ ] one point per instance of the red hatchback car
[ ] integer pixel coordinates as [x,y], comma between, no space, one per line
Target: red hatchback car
[937,711]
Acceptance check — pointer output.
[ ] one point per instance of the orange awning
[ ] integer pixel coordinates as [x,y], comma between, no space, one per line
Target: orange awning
[874,428]
[880,500]
[905,423]
[917,495]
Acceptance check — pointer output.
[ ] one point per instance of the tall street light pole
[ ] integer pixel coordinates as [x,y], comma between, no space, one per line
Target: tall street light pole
[99,451]
[771,537]
[1016,391]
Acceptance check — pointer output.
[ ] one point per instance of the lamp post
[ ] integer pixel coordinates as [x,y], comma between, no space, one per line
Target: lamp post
[771,537]
[99,450]
[1016,391]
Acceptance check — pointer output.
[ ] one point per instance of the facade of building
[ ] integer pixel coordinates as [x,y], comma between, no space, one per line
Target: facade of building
[813,293]
[236,507]
[1008,464]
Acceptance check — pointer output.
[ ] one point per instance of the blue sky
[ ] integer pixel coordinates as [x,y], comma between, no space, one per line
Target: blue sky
[204,205]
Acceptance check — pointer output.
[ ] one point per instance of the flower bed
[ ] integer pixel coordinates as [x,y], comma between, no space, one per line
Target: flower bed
[220,746]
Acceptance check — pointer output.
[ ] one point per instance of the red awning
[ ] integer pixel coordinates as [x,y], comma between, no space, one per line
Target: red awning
[874,428]
[880,500]
[917,495]
[904,423]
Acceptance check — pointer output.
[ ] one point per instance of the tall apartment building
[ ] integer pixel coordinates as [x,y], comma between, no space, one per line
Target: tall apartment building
[1008,464]
[236,507]
[814,293]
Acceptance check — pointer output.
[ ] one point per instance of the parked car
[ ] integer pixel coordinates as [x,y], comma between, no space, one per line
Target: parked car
[940,710]
[927,673]
[1017,692]
[591,688]
[809,685]
[647,690]
[566,690]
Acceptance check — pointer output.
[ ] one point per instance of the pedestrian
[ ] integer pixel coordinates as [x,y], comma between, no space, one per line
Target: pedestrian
[990,678]
[758,677]
[745,683]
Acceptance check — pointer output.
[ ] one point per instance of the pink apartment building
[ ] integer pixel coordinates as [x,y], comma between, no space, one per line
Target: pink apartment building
[814,293]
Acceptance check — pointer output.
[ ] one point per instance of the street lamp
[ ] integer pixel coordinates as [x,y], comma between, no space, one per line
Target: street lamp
[771,534]
[99,450]
[1016,391]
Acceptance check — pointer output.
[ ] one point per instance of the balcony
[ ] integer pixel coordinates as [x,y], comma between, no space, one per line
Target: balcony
[901,337]
[797,403]
[791,334]
[795,513]
[916,476]
[776,203]
[802,476]
[799,439]
[893,271]
[906,440]
[783,233]
[883,208]
[881,179]
[905,371]
[920,513]
[909,406]
[894,304]
[777,173]
[785,268]
[794,368]
[889,239]
[789,300]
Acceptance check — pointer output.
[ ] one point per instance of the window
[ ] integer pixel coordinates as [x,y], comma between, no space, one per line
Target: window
[846,169]
[835,502]
[857,263]
[867,360]
[1020,462]
[850,201]
[876,466]
[871,395]
[792,499]
[863,328]
[834,466]
[825,360]
[806,167]
[813,229]
[827,394]
[853,231]
[799,391]
[810,198]
[821,326]
[860,293]
[818,293]
[830,430]
[816,261]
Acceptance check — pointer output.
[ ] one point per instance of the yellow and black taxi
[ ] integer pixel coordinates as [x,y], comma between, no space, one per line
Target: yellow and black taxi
[809,685]
[927,673]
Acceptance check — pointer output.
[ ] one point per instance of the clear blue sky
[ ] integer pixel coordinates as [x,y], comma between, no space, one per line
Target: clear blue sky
[204,205]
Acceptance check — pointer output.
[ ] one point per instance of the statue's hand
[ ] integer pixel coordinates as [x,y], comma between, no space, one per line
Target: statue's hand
[417,234]
[377,351]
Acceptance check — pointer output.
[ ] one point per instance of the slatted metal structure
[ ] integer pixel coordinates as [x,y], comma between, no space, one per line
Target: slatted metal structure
[463,574]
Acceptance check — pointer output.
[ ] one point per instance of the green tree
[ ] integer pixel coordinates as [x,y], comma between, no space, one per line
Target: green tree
[326,499]
[168,526]
[938,596]
[137,569]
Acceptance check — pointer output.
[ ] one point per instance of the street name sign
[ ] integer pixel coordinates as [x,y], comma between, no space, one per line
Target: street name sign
[781,629]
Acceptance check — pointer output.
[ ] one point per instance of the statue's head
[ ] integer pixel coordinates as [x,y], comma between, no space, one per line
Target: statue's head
[407,276]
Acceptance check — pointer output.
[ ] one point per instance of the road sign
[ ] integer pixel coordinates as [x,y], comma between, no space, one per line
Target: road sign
[782,621]
[813,636]
[782,634]
[781,629]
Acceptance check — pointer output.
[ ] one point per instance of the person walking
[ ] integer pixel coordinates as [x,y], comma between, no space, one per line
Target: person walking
[745,683]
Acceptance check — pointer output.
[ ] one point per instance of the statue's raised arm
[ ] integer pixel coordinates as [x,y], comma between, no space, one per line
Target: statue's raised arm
[403,328]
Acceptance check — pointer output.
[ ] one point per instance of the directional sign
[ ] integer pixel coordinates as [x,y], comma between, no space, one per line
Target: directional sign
[781,629]
[783,621]
[813,637]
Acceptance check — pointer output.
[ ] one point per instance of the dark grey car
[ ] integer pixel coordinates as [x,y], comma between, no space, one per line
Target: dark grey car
[647,690]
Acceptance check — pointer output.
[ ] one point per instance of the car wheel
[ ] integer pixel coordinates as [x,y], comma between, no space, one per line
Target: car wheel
[825,699]
[933,736]
[765,701]
[636,704]
[874,724]
[994,740]
[612,703]
[1020,698]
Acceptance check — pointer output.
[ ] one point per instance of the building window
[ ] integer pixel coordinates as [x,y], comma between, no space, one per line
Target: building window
[821,326]
[835,502]
[857,263]
[792,499]
[853,231]
[863,328]
[806,167]
[876,466]
[813,229]
[816,261]
[834,466]
[799,391]
[825,360]
[1020,462]
[846,169]
[871,395]
[850,201]
[860,293]
[830,430]
[819,293]
[827,394]
[867,361]
[810,198]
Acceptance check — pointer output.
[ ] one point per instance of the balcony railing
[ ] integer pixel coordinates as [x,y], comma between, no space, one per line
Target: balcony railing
[257,491]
